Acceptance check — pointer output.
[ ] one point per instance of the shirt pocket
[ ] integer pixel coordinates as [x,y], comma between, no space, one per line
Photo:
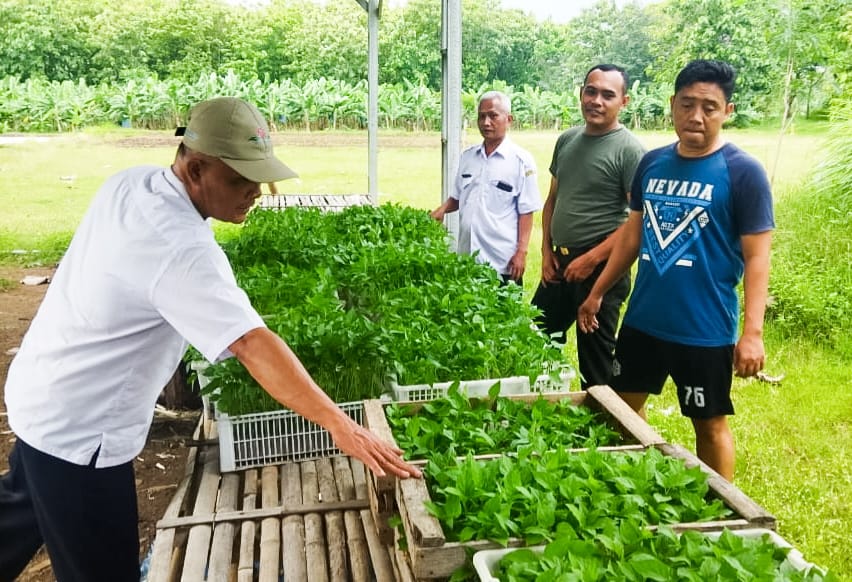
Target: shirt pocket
[501,197]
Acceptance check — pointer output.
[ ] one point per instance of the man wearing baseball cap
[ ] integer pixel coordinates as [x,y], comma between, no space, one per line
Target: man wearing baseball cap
[142,278]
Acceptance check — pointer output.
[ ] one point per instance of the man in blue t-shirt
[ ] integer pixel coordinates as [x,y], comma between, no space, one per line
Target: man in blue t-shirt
[701,220]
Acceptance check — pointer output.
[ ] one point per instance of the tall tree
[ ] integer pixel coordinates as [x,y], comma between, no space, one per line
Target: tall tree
[496,44]
[410,44]
[607,33]
[730,30]
[45,39]
[807,42]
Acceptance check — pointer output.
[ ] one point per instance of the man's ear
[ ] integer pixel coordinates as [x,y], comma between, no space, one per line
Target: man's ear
[194,169]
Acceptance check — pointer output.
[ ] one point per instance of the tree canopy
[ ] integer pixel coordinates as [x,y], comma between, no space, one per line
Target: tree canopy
[792,55]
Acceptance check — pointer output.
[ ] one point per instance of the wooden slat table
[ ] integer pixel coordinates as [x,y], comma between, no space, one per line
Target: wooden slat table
[298,521]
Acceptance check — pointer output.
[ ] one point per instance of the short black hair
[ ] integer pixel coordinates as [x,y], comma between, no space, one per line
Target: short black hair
[606,67]
[707,71]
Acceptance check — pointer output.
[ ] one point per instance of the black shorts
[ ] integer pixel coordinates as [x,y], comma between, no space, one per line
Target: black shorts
[702,375]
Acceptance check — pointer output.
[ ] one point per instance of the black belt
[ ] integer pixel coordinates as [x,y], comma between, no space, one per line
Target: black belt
[571,251]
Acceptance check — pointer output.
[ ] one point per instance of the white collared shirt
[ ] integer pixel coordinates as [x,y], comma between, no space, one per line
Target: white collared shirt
[492,192]
[143,275]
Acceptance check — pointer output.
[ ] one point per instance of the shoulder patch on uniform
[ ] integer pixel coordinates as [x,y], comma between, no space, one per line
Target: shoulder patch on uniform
[529,173]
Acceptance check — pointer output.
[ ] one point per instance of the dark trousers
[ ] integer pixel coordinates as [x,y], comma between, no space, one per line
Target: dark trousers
[86,517]
[559,302]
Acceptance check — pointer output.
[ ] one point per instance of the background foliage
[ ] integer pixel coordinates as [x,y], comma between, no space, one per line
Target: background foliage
[69,63]
[811,279]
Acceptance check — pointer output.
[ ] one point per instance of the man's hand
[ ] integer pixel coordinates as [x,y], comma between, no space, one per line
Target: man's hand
[449,205]
[587,319]
[549,268]
[517,265]
[381,457]
[749,355]
[276,368]
[580,268]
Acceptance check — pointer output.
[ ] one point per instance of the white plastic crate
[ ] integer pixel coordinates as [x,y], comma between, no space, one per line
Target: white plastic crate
[269,438]
[420,392]
[545,383]
[480,388]
[485,561]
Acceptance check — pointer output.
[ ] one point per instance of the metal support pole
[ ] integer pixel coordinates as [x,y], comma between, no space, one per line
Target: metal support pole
[373,100]
[451,118]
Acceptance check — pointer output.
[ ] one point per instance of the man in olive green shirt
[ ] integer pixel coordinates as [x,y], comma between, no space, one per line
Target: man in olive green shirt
[591,172]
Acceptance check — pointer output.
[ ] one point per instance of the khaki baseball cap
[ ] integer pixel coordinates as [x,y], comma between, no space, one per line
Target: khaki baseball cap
[235,132]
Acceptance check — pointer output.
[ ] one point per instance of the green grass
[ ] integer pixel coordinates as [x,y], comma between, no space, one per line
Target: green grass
[793,440]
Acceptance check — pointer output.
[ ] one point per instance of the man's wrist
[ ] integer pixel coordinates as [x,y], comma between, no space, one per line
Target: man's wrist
[753,332]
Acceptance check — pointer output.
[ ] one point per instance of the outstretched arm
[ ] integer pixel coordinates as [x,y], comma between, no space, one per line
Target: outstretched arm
[277,369]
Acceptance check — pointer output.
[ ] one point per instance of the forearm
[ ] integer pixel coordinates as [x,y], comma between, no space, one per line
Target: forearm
[449,205]
[623,248]
[525,224]
[603,251]
[546,219]
[276,368]
[755,282]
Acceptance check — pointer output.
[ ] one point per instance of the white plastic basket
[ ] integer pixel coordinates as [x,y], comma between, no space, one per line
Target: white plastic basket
[270,438]
[479,388]
[473,388]
[485,561]
[546,383]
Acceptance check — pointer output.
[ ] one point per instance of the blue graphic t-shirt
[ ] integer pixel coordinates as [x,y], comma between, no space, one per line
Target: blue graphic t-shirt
[690,262]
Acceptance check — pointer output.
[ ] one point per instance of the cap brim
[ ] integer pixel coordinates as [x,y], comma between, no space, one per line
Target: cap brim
[261,171]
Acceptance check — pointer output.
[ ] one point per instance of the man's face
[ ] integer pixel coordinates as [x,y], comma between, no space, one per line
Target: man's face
[698,112]
[602,98]
[493,121]
[222,193]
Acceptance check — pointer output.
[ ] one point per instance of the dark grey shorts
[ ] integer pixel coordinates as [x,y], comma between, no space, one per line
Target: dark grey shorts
[702,374]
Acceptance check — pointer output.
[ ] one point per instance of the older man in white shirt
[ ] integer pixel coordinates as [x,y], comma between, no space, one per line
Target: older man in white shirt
[142,277]
[496,193]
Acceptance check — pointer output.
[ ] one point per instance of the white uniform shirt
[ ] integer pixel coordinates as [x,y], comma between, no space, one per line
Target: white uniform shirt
[492,192]
[143,275]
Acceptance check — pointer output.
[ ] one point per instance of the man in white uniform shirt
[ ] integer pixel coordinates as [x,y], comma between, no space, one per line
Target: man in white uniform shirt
[496,193]
[142,276]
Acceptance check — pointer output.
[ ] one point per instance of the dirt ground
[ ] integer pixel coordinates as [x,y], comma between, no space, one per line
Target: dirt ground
[159,467]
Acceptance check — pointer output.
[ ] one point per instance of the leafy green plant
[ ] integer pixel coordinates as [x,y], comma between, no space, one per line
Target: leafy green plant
[374,293]
[460,425]
[635,553]
[535,497]
[810,282]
